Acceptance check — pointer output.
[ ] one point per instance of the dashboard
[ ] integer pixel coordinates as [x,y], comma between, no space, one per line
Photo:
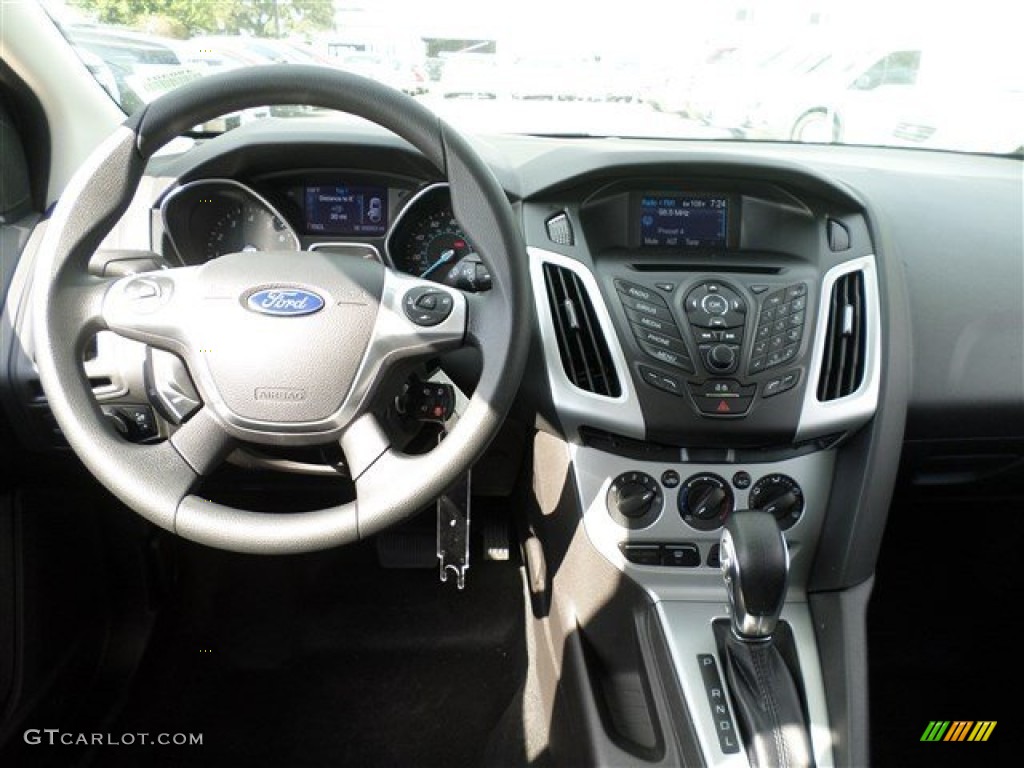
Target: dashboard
[714,328]
[404,223]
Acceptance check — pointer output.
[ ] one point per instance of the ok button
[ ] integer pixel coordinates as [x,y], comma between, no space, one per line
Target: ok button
[715,304]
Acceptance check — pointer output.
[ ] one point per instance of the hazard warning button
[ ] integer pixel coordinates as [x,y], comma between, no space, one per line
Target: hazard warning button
[722,397]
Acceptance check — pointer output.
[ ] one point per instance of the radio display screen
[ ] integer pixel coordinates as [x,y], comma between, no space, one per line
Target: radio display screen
[347,210]
[684,220]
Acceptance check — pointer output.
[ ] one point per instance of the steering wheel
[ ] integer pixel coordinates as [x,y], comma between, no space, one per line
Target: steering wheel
[285,349]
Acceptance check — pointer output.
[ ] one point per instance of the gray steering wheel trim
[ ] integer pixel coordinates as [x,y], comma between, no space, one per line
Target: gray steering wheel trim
[156,480]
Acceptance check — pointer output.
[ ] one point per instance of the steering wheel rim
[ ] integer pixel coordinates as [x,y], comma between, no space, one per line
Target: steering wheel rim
[157,480]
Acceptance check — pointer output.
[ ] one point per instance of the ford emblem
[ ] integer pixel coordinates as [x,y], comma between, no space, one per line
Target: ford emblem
[284,302]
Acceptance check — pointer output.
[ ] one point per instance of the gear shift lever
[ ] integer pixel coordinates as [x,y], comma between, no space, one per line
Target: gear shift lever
[757,651]
[755,565]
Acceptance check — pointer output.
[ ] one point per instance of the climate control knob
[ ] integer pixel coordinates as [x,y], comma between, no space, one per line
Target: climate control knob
[705,501]
[779,495]
[634,499]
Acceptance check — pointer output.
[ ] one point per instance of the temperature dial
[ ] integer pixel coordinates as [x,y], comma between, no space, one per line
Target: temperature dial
[705,501]
[779,495]
[634,499]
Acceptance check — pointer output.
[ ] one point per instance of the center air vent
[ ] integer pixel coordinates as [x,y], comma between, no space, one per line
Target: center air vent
[581,343]
[842,364]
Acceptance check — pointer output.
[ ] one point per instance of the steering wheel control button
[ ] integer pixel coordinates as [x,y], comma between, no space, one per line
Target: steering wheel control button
[705,501]
[741,480]
[780,496]
[427,306]
[780,324]
[670,478]
[680,555]
[634,500]
[136,423]
[662,381]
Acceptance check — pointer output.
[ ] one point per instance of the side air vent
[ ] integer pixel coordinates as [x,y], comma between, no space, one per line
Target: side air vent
[842,364]
[581,343]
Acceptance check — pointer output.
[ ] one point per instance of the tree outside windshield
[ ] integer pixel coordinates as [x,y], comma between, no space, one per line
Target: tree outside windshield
[826,71]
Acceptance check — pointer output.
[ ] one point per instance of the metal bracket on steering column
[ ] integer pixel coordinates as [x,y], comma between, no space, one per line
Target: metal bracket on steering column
[453,532]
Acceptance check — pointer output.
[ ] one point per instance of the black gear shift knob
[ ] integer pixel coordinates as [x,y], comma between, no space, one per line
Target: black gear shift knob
[755,566]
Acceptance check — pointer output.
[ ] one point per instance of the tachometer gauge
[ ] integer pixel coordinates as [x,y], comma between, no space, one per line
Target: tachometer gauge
[207,219]
[248,226]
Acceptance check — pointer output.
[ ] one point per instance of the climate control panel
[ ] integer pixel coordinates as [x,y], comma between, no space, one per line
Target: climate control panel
[703,502]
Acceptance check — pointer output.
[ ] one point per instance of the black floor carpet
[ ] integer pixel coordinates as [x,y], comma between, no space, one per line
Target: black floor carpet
[327,660]
[942,630]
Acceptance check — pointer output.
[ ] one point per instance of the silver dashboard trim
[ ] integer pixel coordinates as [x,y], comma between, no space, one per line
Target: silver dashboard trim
[576,407]
[818,418]
[227,182]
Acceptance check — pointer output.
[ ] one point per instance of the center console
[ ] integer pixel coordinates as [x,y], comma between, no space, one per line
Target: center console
[709,346]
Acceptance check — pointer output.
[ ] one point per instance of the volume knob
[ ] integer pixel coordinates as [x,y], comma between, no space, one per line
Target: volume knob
[722,357]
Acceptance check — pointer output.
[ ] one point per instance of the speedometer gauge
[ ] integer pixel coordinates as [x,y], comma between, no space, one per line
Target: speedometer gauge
[428,241]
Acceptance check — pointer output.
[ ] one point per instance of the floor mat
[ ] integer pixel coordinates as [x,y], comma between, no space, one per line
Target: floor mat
[327,660]
[939,632]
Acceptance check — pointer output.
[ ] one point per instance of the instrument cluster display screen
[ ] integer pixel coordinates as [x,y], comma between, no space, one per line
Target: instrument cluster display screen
[346,210]
[684,220]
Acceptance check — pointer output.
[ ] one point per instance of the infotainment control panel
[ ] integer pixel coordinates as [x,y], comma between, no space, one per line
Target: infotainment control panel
[718,344]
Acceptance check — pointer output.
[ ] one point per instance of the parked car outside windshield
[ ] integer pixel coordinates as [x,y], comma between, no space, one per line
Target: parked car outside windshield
[846,72]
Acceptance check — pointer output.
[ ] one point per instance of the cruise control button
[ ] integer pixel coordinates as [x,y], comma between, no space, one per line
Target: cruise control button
[638,292]
[427,306]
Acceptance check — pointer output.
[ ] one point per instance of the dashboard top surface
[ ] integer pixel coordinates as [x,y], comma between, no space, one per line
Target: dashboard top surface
[931,213]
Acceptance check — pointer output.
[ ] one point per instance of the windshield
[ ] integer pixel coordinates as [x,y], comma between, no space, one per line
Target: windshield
[910,74]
